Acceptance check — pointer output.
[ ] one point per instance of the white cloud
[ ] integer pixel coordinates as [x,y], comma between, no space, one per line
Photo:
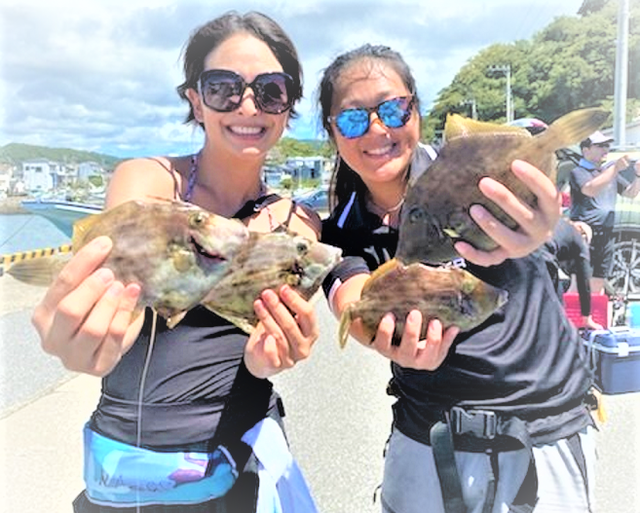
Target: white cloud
[101,75]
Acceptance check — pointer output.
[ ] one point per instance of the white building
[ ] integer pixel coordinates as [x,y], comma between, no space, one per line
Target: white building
[632,133]
[87,169]
[40,174]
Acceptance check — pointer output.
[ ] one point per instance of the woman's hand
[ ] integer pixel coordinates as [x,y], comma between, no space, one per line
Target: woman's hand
[287,330]
[85,316]
[535,225]
[426,354]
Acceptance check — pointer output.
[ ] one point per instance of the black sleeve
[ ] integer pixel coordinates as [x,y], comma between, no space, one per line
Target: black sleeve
[347,268]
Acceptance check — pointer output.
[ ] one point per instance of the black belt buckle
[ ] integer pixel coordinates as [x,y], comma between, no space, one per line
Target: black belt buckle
[479,423]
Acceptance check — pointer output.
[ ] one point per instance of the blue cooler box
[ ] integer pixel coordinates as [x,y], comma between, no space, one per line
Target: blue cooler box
[615,357]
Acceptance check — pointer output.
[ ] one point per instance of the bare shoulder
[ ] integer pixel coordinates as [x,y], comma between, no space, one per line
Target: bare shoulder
[143,178]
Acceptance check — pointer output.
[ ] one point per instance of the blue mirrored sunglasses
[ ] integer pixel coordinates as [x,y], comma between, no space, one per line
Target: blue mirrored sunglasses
[393,113]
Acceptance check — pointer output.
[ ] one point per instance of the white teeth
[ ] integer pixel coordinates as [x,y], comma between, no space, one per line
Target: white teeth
[380,151]
[246,130]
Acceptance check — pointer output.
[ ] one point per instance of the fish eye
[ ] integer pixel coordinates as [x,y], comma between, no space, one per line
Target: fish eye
[198,219]
[302,246]
[416,214]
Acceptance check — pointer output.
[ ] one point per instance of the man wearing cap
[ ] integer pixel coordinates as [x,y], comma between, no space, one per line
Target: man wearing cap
[594,188]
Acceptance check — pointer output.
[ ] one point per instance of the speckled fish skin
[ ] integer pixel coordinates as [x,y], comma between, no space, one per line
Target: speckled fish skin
[454,296]
[268,261]
[176,251]
[436,210]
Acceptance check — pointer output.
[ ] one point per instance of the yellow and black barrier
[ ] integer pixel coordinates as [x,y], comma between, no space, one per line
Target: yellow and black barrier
[7,261]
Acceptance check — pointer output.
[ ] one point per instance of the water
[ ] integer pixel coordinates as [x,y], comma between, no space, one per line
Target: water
[25,232]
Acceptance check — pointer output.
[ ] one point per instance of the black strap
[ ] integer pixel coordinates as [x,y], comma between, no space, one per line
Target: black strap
[492,431]
[251,206]
[443,454]
[575,446]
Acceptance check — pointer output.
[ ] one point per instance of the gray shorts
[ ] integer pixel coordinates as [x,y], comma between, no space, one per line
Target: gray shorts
[411,484]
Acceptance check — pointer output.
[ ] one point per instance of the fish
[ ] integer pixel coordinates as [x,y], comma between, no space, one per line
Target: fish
[268,261]
[452,295]
[435,213]
[174,250]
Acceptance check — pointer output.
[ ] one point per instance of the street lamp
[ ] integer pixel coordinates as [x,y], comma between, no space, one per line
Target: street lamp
[506,71]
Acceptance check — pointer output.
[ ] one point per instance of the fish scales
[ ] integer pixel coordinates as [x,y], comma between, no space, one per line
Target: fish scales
[175,251]
[454,296]
[268,261]
[435,214]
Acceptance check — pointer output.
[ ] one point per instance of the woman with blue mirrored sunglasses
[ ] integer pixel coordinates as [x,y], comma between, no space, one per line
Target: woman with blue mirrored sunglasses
[393,113]
[490,377]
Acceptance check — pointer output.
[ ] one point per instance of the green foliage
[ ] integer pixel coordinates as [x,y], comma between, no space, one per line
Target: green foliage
[570,64]
[289,147]
[15,153]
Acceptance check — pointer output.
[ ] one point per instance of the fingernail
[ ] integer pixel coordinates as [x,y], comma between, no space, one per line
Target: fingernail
[478,212]
[115,289]
[102,242]
[105,275]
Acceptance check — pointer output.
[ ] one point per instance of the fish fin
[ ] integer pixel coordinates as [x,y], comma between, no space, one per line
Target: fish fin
[572,128]
[459,126]
[174,320]
[39,271]
[241,323]
[345,323]
[385,268]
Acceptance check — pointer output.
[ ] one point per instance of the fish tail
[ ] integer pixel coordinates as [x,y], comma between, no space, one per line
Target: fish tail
[345,323]
[39,271]
[573,127]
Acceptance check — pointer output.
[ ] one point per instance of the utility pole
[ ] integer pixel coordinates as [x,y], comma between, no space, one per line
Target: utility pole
[506,71]
[621,77]
[474,108]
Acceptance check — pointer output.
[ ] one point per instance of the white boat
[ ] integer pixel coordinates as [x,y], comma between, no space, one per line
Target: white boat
[61,213]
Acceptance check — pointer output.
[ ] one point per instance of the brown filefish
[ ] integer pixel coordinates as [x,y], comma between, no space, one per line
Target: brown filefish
[435,214]
[268,261]
[452,295]
[175,251]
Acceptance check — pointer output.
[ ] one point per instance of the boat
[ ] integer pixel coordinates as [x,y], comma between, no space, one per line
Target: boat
[61,213]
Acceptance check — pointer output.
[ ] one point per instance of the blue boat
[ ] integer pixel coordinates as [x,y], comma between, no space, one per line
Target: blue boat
[61,213]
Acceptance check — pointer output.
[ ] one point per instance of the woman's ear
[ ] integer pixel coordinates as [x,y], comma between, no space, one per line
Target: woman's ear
[196,105]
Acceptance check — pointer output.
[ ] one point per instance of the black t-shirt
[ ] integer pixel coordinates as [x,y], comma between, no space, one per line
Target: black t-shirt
[525,360]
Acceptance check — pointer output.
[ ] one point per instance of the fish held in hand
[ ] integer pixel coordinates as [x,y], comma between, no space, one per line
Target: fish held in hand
[268,261]
[435,214]
[452,295]
[175,251]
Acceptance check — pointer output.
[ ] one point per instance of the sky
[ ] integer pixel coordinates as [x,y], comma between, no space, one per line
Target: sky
[100,75]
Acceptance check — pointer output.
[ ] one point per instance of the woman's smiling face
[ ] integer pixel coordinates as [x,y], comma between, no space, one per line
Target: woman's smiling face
[382,154]
[246,130]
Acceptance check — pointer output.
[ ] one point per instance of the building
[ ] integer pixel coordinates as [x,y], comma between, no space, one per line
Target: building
[632,133]
[41,175]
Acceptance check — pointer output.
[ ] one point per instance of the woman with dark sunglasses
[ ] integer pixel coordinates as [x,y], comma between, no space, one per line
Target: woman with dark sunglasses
[490,420]
[187,420]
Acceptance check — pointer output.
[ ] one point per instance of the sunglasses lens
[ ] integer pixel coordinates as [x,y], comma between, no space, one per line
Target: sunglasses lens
[352,122]
[394,113]
[273,92]
[221,90]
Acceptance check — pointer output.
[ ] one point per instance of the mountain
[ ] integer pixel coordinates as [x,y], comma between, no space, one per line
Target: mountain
[15,153]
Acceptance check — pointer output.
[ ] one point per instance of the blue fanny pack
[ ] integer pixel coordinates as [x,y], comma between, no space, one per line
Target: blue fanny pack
[122,475]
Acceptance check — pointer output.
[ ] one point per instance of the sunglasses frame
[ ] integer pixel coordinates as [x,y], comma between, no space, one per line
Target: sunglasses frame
[256,87]
[404,120]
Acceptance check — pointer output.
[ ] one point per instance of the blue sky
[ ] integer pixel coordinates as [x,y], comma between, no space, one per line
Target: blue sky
[101,75]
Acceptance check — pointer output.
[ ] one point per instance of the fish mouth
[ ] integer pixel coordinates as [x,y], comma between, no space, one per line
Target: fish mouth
[214,258]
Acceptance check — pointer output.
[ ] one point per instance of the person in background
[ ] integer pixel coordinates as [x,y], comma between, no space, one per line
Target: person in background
[594,187]
[568,256]
[494,419]
[187,420]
